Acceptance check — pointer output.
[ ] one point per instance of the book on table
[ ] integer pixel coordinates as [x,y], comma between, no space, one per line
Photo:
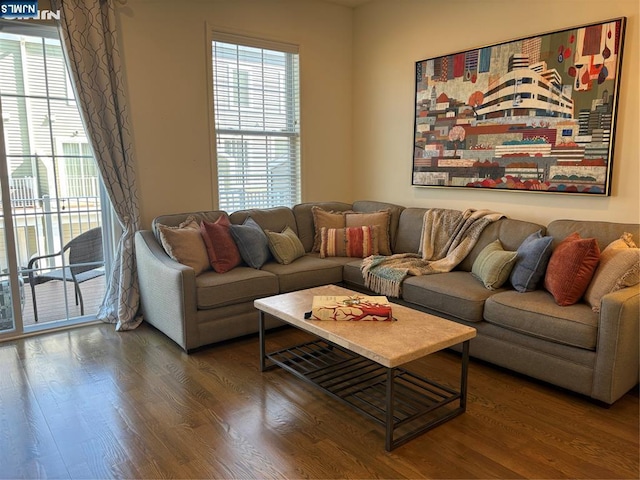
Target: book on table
[351,308]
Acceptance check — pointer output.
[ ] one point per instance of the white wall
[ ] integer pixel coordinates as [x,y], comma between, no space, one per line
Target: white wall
[165,54]
[390,36]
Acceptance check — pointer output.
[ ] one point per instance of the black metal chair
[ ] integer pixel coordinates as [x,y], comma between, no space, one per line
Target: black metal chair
[85,262]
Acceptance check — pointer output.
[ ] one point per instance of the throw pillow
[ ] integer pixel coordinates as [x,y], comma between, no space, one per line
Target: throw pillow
[221,249]
[493,265]
[252,243]
[571,268]
[285,246]
[357,242]
[323,218]
[619,267]
[531,264]
[185,244]
[381,219]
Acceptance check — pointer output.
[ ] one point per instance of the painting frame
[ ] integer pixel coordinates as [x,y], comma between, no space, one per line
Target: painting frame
[534,114]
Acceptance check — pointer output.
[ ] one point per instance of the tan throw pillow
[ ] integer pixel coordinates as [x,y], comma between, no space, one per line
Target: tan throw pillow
[184,244]
[327,219]
[619,267]
[381,219]
[285,246]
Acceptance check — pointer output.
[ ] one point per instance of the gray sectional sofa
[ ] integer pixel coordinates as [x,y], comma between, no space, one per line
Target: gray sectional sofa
[594,354]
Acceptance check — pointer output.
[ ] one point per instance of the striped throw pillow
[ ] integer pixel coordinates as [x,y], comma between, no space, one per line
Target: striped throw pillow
[357,242]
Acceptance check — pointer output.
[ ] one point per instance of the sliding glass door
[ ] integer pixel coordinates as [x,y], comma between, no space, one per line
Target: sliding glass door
[52,253]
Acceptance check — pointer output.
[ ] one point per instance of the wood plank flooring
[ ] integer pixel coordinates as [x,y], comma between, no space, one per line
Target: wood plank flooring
[94,403]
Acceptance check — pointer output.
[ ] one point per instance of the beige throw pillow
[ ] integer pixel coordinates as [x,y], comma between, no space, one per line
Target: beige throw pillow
[380,219]
[619,267]
[327,219]
[185,244]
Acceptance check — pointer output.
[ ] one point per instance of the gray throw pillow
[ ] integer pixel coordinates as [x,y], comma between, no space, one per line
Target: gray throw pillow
[531,263]
[252,243]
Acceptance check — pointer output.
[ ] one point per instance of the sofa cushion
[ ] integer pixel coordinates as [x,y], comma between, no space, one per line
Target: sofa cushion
[619,267]
[285,246]
[252,243]
[274,219]
[571,268]
[493,265]
[184,244]
[352,273]
[531,264]
[349,242]
[456,293]
[306,272]
[380,219]
[603,232]
[175,219]
[538,315]
[409,230]
[221,248]
[242,284]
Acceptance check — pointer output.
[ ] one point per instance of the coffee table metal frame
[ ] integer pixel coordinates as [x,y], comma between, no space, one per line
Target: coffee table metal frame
[392,397]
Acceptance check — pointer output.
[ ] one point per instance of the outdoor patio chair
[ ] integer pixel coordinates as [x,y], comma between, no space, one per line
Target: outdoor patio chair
[85,262]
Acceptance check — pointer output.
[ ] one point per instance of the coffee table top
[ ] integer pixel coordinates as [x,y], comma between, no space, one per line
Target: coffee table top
[414,335]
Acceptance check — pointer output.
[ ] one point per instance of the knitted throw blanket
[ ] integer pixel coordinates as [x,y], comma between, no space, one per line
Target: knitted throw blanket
[447,238]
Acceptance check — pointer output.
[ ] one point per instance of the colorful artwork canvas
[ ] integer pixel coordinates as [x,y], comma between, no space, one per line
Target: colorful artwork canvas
[534,114]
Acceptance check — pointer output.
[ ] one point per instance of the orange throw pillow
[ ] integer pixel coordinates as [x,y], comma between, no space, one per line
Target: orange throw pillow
[571,268]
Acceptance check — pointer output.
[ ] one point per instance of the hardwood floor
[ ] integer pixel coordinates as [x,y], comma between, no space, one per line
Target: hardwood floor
[94,403]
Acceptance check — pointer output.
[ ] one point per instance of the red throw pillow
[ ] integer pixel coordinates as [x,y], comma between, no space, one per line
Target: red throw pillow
[221,249]
[571,268]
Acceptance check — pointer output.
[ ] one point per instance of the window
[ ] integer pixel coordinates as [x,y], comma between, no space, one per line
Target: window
[256,113]
[78,168]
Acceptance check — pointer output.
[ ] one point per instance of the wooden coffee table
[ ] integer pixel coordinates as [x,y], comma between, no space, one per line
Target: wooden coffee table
[360,363]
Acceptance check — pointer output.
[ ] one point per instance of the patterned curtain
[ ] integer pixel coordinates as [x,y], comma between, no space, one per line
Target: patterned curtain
[88,32]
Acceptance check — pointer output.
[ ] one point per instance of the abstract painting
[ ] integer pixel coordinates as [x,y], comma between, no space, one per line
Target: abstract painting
[533,114]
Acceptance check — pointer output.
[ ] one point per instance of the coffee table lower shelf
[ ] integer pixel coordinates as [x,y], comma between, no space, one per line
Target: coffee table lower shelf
[406,404]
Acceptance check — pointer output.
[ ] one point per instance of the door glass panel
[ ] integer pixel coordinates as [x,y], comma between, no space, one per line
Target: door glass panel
[56,198]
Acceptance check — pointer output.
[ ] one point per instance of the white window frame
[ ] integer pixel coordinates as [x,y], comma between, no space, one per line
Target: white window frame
[62,166]
[288,140]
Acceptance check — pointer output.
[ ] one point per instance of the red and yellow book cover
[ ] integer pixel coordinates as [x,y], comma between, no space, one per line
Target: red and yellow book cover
[351,308]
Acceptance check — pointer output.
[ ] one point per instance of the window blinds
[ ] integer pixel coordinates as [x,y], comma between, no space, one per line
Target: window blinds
[256,112]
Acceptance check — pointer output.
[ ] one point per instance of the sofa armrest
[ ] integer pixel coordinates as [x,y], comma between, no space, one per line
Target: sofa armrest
[616,368]
[167,291]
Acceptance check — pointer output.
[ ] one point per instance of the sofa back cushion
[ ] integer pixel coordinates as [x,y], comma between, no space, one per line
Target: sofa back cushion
[304,219]
[275,219]
[603,232]
[175,219]
[510,232]
[409,230]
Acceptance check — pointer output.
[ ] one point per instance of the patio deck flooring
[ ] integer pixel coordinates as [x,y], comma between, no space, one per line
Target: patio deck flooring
[50,298]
